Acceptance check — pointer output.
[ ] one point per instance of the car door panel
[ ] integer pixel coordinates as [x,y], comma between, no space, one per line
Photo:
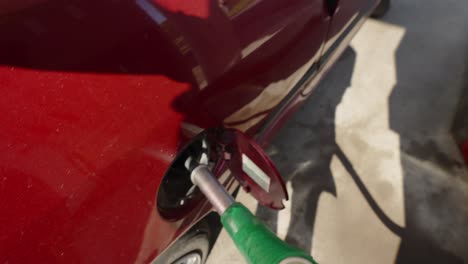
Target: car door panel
[274,39]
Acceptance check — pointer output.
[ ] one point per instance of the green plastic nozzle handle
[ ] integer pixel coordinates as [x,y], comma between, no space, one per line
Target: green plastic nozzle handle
[256,242]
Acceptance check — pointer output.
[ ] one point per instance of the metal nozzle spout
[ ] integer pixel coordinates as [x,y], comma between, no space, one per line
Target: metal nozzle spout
[211,188]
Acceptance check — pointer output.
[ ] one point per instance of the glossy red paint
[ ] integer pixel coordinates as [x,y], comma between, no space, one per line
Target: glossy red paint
[195,8]
[98,96]
[464,147]
[307,86]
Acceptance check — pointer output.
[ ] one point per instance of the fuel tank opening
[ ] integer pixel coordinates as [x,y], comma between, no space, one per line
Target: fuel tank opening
[177,195]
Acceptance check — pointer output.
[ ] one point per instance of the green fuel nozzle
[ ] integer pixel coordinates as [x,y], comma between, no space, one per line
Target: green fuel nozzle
[254,240]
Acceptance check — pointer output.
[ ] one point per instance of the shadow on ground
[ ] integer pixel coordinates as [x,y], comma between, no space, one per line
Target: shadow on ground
[305,158]
[421,109]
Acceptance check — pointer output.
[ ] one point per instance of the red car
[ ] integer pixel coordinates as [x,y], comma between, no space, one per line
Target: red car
[99,96]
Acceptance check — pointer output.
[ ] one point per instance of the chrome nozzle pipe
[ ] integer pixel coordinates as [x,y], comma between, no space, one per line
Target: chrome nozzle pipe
[202,177]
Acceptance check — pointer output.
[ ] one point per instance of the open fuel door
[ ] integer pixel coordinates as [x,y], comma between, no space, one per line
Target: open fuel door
[223,150]
[249,164]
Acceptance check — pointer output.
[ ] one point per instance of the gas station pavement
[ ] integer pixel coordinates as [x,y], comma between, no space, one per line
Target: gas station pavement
[373,171]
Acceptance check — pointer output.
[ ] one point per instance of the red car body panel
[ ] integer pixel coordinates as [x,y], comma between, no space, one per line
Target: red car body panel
[97,97]
[464,148]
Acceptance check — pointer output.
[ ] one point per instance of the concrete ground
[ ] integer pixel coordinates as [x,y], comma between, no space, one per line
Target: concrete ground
[373,172]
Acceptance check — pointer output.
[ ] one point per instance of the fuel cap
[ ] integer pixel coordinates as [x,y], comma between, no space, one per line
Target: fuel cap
[250,165]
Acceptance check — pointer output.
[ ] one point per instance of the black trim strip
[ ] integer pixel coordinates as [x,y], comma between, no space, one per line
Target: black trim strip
[311,72]
[324,58]
[287,99]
